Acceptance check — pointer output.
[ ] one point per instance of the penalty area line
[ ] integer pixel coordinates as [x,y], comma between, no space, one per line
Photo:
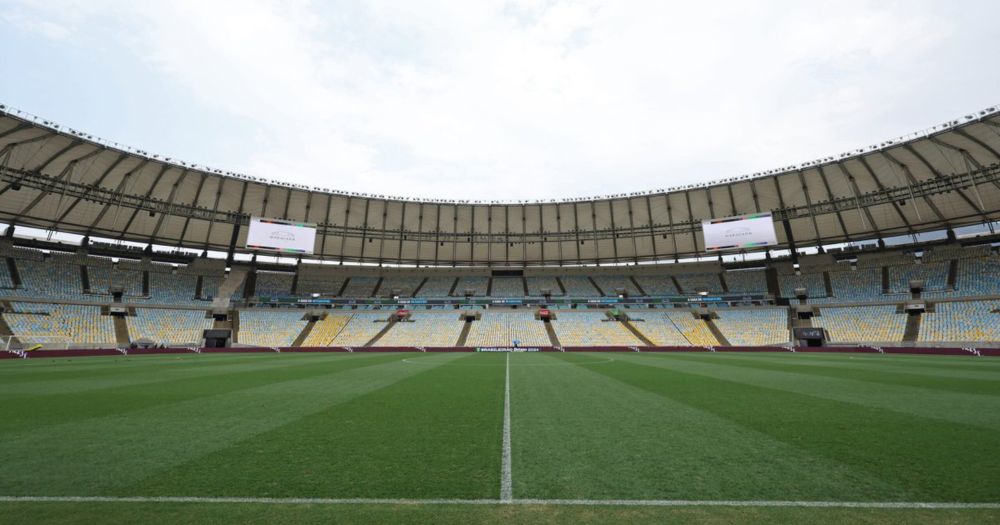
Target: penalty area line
[555,502]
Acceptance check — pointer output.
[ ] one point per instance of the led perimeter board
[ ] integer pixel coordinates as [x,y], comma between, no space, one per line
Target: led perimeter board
[279,236]
[755,230]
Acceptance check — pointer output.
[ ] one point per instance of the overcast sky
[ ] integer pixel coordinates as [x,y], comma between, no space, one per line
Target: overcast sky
[484,99]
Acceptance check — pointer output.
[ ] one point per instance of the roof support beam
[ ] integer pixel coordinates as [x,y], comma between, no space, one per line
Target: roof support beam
[649,223]
[90,188]
[911,181]
[420,231]
[402,230]
[967,157]
[812,214]
[170,203]
[327,221]
[961,132]
[215,211]
[234,237]
[895,205]
[67,172]
[670,220]
[20,127]
[614,231]
[119,192]
[45,164]
[343,238]
[576,232]
[829,197]
[694,236]
[149,192]
[8,151]
[437,233]
[785,221]
[381,239]
[939,175]
[194,202]
[593,229]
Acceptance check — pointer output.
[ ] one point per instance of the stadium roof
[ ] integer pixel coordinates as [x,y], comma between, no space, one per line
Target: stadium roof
[66,180]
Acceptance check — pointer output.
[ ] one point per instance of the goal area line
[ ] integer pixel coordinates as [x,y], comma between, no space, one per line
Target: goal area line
[515,501]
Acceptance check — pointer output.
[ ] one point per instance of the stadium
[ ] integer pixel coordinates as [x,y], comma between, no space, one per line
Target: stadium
[813,343]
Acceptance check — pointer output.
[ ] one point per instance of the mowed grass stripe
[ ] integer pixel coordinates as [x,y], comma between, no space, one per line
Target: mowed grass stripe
[989,386]
[969,409]
[925,459]
[139,370]
[436,433]
[97,398]
[109,454]
[581,433]
[35,367]
[112,513]
[946,367]
[931,362]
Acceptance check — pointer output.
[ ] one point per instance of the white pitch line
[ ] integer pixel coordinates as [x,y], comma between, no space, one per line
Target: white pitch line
[558,502]
[506,490]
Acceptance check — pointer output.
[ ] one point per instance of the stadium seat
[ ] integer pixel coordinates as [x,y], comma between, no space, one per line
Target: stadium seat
[503,328]
[591,328]
[169,327]
[424,329]
[862,324]
[270,327]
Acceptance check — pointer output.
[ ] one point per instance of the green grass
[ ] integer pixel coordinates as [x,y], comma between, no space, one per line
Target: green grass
[429,426]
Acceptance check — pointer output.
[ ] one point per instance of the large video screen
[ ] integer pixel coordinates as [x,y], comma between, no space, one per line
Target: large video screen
[276,235]
[742,232]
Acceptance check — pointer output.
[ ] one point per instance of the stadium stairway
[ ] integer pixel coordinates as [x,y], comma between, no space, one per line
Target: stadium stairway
[121,330]
[594,284]
[677,284]
[773,288]
[722,281]
[304,333]
[229,285]
[14,275]
[712,327]
[637,287]
[295,280]
[378,285]
[233,324]
[562,288]
[5,328]
[250,284]
[553,338]
[388,326]
[635,331]
[912,330]
[465,333]
[419,286]
[85,279]
[952,273]
[827,284]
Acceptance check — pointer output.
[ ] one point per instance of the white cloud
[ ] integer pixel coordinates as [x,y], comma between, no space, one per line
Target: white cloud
[526,99]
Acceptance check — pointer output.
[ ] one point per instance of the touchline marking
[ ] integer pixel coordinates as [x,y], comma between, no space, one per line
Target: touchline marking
[561,502]
[506,491]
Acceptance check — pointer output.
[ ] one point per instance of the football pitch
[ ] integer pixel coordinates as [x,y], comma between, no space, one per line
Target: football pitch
[459,438]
